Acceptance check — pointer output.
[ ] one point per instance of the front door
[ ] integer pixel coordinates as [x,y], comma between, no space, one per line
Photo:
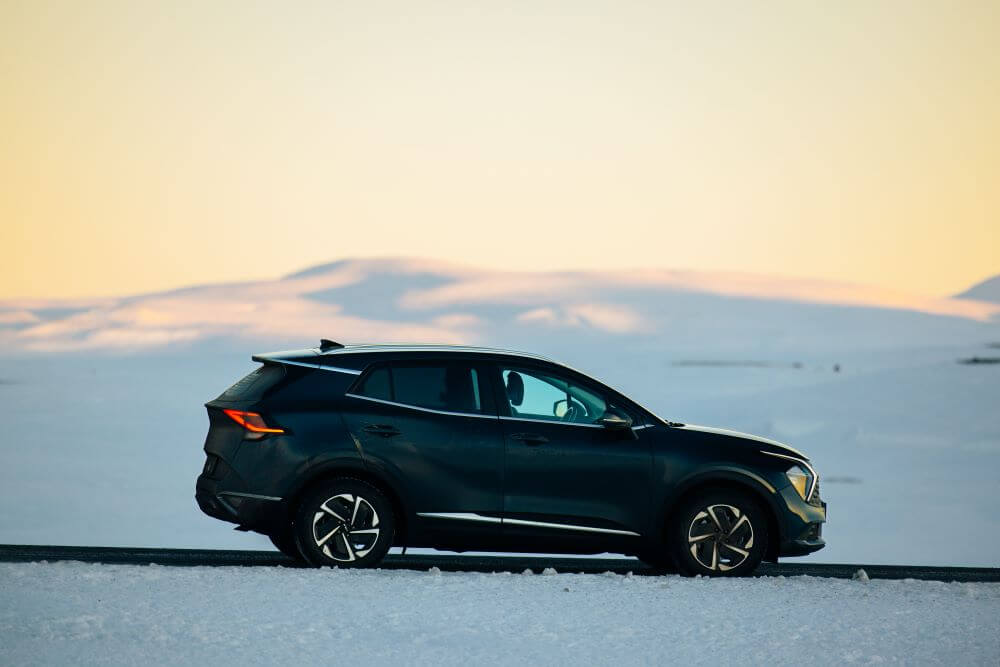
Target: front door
[568,479]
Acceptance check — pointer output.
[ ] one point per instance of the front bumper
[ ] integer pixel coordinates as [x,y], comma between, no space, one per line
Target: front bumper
[802,524]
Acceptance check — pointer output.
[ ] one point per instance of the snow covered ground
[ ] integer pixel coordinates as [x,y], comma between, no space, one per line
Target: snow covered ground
[74,613]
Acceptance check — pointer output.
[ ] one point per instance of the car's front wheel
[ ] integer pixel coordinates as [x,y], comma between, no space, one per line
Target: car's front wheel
[719,533]
[345,523]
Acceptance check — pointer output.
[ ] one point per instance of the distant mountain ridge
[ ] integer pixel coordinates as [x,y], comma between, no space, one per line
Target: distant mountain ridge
[988,290]
[421,300]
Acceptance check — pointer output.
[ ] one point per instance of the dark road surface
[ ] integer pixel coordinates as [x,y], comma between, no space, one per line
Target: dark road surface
[212,557]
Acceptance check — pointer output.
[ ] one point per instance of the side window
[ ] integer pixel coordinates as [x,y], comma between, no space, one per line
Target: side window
[448,387]
[536,395]
[378,385]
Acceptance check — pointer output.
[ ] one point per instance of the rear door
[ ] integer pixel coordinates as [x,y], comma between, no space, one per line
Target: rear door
[567,477]
[432,427]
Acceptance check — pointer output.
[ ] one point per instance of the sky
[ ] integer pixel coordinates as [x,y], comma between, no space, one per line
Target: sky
[146,145]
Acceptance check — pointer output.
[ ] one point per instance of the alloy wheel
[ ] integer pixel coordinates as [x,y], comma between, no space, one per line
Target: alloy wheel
[720,537]
[346,527]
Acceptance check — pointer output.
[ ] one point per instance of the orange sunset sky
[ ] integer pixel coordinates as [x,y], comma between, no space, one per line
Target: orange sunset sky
[149,145]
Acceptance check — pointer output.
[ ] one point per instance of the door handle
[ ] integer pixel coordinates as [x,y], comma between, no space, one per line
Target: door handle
[384,430]
[532,439]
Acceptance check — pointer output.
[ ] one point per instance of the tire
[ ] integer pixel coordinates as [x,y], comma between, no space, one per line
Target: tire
[718,533]
[344,522]
[286,544]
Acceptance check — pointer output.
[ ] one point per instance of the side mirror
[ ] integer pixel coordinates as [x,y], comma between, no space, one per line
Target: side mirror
[615,422]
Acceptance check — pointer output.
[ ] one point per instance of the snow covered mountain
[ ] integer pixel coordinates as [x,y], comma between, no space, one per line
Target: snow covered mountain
[421,300]
[988,290]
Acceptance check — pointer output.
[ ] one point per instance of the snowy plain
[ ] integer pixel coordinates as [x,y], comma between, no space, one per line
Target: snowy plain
[103,418]
[75,613]
[104,451]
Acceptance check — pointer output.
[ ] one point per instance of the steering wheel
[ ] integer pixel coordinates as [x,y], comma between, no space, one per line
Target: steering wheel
[573,411]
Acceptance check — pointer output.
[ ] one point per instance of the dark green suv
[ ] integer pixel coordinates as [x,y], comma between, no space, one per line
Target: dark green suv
[340,452]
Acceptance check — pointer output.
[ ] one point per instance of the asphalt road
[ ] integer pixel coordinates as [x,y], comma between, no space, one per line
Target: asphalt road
[212,557]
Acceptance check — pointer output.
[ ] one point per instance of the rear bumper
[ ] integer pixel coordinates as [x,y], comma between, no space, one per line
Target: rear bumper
[802,529]
[255,512]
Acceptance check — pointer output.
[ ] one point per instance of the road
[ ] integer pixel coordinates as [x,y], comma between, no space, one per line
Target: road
[449,563]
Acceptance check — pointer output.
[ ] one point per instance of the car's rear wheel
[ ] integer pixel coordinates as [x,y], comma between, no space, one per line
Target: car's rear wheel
[344,523]
[284,541]
[719,533]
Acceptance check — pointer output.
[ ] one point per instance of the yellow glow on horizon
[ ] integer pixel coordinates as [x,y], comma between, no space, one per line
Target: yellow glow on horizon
[153,145]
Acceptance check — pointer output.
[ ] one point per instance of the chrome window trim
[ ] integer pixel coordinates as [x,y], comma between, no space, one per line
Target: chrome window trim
[388,349]
[375,349]
[548,421]
[417,407]
[812,471]
[252,496]
[471,516]
[461,516]
[338,369]
[566,526]
[562,423]
[317,367]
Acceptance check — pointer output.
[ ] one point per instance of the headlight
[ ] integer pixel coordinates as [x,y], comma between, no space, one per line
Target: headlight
[801,479]
[802,475]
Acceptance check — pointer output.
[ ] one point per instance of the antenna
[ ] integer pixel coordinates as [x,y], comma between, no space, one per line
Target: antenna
[326,345]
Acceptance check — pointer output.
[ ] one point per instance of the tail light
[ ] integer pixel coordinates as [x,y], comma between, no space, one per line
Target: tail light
[255,426]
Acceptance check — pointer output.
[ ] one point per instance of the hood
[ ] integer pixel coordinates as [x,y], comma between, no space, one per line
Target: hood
[783,448]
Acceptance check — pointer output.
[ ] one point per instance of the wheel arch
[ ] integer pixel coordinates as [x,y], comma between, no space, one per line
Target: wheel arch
[756,487]
[359,472]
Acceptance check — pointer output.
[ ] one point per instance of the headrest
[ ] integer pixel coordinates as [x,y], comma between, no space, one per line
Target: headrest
[515,388]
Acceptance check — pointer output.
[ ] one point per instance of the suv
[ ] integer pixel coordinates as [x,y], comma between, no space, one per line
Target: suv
[337,453]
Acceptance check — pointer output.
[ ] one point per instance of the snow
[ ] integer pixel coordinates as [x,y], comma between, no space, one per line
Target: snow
[74,613]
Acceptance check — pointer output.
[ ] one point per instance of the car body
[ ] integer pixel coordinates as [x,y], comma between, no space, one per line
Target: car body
[478,449]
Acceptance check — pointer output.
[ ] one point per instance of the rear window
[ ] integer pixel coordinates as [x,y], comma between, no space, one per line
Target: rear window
[253,385]
[452,388]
